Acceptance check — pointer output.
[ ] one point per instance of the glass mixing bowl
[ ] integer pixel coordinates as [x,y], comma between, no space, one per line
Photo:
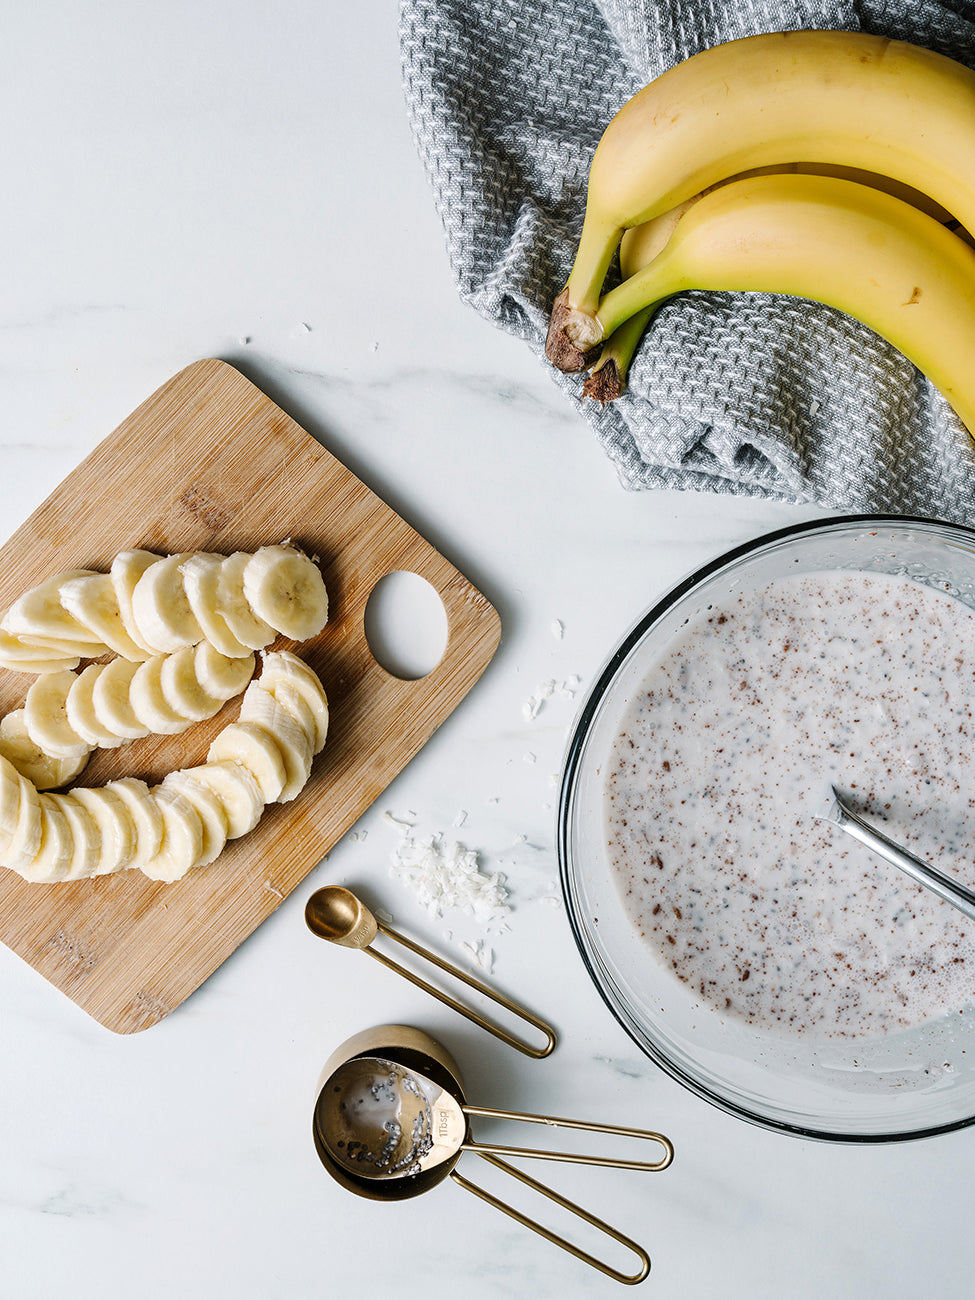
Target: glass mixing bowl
[904,1084]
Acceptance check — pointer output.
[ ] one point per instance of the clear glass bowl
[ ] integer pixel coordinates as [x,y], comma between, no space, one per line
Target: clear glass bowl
[908,1084]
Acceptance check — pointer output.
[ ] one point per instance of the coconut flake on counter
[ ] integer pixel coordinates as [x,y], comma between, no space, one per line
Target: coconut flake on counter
[545,690]
[443,875]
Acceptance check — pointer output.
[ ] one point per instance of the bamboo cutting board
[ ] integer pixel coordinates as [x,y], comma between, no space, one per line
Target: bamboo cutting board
[209,463]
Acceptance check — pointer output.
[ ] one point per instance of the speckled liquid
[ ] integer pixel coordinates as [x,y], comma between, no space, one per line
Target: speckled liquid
[764,912]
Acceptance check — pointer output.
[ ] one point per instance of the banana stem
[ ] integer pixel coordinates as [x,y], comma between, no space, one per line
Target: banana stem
[607,380]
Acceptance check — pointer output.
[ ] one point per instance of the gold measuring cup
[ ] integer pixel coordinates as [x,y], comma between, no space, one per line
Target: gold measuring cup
[391,1120]
[334,913]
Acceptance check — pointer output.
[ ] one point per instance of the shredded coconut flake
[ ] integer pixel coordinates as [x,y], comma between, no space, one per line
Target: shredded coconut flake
[447,876]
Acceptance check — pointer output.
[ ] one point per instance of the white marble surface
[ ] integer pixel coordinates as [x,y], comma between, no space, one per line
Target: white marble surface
[237,180]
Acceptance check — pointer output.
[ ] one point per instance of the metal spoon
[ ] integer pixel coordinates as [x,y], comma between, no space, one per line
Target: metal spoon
[379,1119]
[336,914]
[831,808]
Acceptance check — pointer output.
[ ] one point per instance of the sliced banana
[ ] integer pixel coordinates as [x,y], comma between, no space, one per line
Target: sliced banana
[285,588]
[80,711]
[222,676]
[116,827]
[55,852]
[84,836]
[281,668]
[145,813]
[233,606]
[182,838]
[182,689]
[260,707]
[39,615]
[149,704]
[26,838]
[250,744]
[46,716]
[201,578]
[93,601]
[213,815]
[161,609]
[10,791]
[237,789]
[110,700]
[25,657]
[127,568]
[44,771]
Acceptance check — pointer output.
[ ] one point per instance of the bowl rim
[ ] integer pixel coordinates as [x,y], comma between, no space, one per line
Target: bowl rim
[572,758]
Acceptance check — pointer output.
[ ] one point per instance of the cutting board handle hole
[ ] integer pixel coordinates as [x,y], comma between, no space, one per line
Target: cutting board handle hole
[405,625]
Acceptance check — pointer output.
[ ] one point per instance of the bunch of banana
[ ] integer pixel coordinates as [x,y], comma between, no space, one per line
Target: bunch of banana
[150,605]
[833,98]
[184,822]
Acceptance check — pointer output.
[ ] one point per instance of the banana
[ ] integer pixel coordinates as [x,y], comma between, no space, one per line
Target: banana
[256,749]
[260,707]
[81,714]
[84,837]
[52,860]
[10,790]
[39,617]
[25,840]
[46,716]
[127,568]
[201,576]
[161,609]
[149,703]
[232,605]
[117,838]
[284,587]
[111,700]
[182,689]
[182,837]
[92,600]
[236,788]
[44,771]
[21,656]
[145,813]
[286,676]
[853,247]
[843,98]
[214,818]
[222,676]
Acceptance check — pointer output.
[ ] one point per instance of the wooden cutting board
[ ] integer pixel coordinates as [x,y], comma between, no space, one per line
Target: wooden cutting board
[210,463]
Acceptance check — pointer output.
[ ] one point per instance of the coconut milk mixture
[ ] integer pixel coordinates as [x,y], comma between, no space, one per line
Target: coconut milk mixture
[769,915]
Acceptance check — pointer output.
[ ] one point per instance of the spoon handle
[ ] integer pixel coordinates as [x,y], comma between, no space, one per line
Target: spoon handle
[546,1030]
[948,889]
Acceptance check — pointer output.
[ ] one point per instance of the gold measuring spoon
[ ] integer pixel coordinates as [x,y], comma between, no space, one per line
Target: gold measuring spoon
[336,914]
[369,1074]
[380,1119]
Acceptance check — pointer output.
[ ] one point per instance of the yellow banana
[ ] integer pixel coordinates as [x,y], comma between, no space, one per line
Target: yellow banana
[844,98]
[856,248]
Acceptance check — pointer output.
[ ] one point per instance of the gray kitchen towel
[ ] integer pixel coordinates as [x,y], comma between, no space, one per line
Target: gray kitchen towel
[754,394]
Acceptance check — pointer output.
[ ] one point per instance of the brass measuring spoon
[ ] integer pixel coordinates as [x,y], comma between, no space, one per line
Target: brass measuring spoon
[336,914]
[379,1070]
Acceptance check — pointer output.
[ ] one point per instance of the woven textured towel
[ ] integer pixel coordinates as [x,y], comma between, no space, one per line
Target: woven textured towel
[756,395]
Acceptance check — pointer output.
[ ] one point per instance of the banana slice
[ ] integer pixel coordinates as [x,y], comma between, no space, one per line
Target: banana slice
[85,836]
[148,702]
[24,657]
[237,789]
[111,703]
[213,815]
[44,771]
[233,606]
[257,750]
[116,828]
[222,676]
[282,669]
[55,852]
[40,616]
[201,578]
[81,714]
[260,707]
[46,717]
[93,601]
[285,588]
[142,808]
[26,838]
[127,568]
[181,687]
[161,610]
[10,791]
[182,838]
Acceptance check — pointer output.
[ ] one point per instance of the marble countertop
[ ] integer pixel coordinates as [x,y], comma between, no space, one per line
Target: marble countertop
[238,181]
